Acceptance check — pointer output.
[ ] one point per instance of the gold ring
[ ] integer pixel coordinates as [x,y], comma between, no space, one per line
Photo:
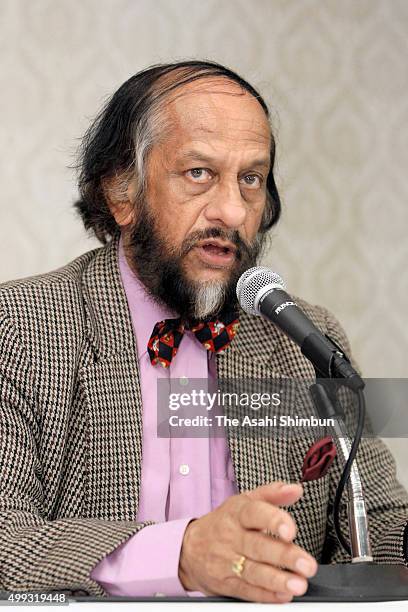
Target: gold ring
[238,566]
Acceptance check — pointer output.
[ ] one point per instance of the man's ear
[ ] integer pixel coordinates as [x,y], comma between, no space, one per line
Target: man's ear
[119,199]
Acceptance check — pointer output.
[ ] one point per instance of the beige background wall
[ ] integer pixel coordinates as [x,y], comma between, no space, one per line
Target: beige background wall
[336,76]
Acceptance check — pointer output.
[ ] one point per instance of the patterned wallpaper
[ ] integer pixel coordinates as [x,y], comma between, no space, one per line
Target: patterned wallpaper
[336,76]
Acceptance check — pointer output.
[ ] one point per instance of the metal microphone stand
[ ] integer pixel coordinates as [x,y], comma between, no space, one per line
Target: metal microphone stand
[360,580]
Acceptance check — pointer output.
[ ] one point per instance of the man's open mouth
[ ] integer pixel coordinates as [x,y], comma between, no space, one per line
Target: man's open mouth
[216,253]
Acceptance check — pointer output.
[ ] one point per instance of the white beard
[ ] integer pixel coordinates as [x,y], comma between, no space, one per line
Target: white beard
[209,297]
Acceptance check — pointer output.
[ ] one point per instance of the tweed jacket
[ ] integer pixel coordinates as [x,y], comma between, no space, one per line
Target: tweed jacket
[71,431]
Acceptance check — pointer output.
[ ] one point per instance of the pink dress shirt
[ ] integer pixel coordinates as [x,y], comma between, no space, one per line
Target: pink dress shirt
[182,478]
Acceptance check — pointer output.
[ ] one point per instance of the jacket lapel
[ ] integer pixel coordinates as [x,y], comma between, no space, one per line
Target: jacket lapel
[258,459]
[111,387]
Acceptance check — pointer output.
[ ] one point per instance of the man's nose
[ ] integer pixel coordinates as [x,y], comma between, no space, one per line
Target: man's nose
[227,205]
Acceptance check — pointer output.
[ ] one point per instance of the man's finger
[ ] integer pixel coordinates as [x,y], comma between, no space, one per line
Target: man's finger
[279,493]
[273,578]
[265,550]
[264,516]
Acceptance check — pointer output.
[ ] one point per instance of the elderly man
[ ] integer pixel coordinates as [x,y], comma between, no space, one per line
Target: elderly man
[176,180]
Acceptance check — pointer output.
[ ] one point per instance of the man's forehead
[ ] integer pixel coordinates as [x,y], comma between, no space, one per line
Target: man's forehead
[212,106]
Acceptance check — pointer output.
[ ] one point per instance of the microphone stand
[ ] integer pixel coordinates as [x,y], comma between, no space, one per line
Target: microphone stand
[362,579]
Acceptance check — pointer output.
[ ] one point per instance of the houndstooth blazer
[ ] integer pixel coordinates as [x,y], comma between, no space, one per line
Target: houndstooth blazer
[71,431]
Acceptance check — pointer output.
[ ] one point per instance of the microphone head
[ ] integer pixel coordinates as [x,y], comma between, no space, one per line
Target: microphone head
[253,284]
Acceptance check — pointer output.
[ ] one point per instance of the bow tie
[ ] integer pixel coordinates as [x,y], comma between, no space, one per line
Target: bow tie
[214,335]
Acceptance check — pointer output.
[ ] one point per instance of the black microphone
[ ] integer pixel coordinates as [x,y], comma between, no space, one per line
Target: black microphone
[261,292]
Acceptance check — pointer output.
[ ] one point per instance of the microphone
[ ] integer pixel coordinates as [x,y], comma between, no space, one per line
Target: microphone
[261,292]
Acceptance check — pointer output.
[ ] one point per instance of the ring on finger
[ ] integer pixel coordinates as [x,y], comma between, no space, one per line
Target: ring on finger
[238,566]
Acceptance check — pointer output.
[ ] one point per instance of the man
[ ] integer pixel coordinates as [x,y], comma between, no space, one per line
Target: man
[176,179]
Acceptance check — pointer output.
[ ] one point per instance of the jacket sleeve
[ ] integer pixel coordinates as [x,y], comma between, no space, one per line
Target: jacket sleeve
[37,554]
[386,499]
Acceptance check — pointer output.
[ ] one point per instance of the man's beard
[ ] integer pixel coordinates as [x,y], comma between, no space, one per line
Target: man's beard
[160,268]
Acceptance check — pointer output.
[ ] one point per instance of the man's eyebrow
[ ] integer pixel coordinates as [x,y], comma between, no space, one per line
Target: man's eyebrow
[194,154]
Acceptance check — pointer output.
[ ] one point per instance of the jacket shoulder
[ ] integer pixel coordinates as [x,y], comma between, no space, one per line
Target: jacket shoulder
[327,322]
[263,341]
[71,273]
[47,309]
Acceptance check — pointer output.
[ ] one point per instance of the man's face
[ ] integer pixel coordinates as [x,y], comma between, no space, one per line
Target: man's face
[206,185]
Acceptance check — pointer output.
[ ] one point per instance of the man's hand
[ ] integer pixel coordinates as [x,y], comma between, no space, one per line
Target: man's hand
[275,569]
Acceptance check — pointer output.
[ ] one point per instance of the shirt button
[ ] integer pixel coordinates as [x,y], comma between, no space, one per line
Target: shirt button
[184,469]
[160,594]
[183,380]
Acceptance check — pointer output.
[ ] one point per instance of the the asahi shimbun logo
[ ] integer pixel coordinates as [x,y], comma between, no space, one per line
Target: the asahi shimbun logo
[283,306]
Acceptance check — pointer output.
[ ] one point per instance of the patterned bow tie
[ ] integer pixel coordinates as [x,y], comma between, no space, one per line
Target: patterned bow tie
[215,336]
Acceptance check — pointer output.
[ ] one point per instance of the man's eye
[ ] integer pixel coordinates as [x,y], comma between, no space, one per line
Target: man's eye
[252,180]
[199,175]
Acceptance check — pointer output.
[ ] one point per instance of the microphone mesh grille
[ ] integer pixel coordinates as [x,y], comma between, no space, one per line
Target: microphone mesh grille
[250,284]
